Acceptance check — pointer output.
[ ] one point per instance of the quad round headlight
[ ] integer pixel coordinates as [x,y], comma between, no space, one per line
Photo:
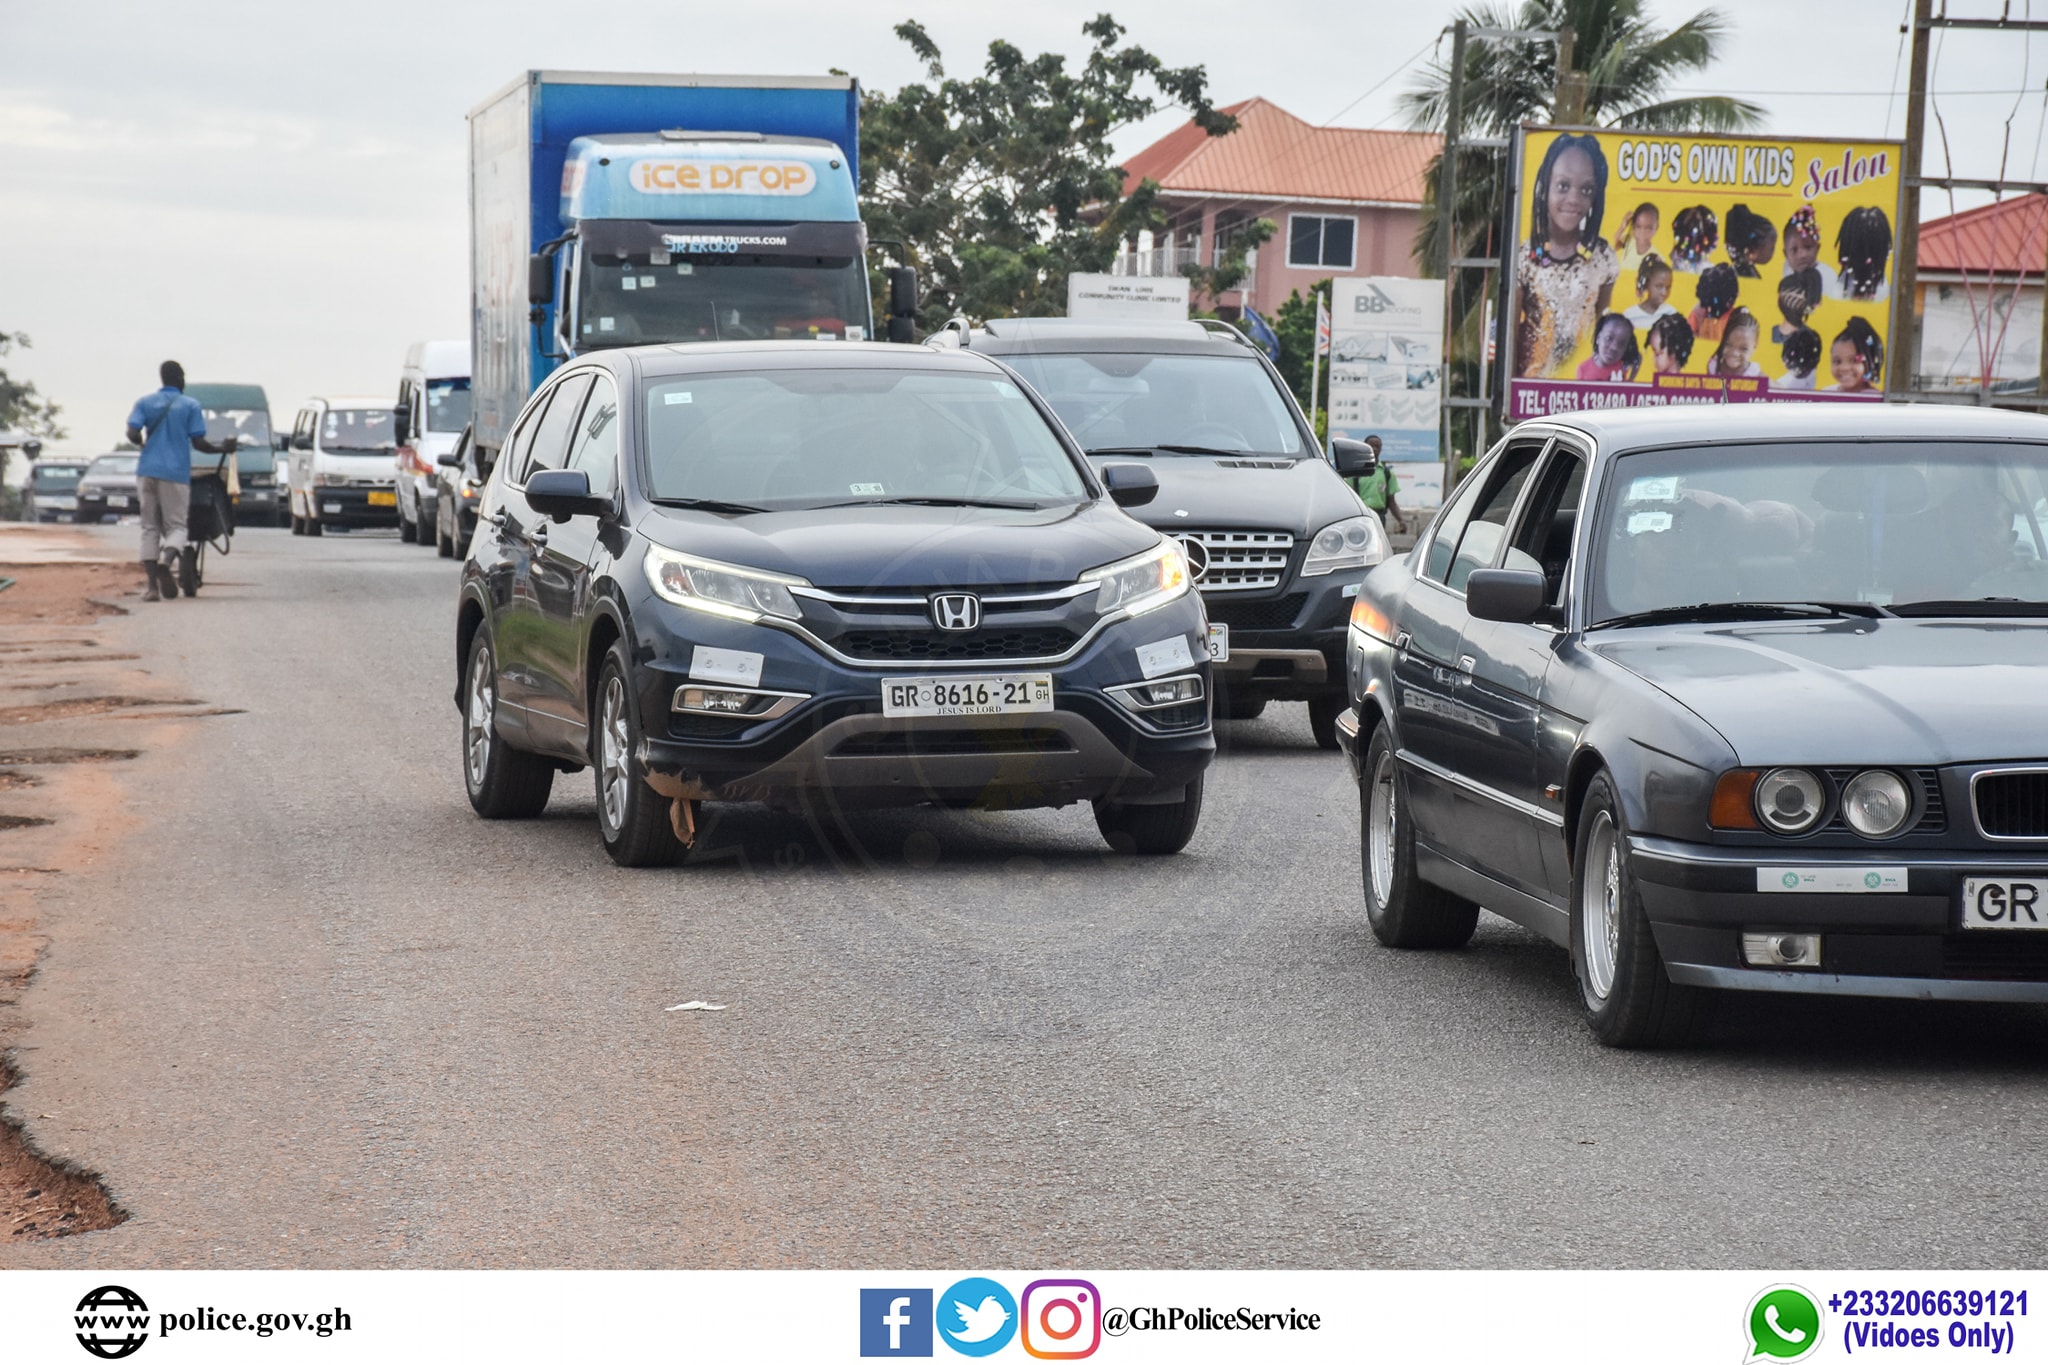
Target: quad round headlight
[1790,800]
[1876,803]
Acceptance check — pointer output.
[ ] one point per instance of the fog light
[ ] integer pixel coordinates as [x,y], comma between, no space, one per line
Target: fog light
[1781,950]
[1171,691]
[707,699]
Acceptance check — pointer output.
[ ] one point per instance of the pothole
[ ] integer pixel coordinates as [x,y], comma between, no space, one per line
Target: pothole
[14,758]
[10,782]
[41,1198]
[21,821]
[85,706]
[79,658]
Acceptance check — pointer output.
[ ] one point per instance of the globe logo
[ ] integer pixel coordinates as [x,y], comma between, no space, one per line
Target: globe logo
[1872,880]
[112,1322]
[1791,880]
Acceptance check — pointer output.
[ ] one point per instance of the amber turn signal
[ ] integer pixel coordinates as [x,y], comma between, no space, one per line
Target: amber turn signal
[1370,619]
[1734,805]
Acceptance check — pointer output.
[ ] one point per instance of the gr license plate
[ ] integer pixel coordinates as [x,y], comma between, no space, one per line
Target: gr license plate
[2005,903]
[1003,694]
[1219,643]
[377,499]
[330,507]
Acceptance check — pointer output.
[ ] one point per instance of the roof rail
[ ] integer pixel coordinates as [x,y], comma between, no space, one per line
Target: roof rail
[958,323]
[1218,327]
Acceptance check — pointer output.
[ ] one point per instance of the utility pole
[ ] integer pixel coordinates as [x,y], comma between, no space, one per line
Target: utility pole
[1906,279]
[1568,101]
[1447,214]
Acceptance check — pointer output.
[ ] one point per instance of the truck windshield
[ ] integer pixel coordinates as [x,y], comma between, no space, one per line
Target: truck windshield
[251,430]
[358,431]
[447,404]
[740,298]
[783,440]
[1125,402]
[57,478]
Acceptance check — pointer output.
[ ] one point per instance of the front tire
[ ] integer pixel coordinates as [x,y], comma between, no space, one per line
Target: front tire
[444,543]
[1236,707]
[1322,719]
[504,783]
[1152,831]
[633,818]
[1629,998]
[1402,909]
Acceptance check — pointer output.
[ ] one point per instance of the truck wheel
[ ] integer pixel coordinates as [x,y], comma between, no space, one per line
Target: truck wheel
[633,818]
[1402,910]
[1630,1000]
[1151,830]
[504,783]
[1322,719]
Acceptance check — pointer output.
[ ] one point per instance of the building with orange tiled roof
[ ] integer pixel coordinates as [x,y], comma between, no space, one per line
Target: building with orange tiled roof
[1979,301]
[1347,201]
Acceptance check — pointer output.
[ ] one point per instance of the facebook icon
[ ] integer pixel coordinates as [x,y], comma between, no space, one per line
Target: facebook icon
[895,1322]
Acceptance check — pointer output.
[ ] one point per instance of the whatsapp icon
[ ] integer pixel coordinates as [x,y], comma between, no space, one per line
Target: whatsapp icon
[1783,1324]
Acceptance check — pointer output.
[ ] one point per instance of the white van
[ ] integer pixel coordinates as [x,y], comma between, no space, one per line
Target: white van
[433,402]
[343,466]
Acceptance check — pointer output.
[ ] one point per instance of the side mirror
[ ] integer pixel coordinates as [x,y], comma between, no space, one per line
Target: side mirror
[1130,485]
[1513,595]
[1354,459]
[449,459]
[401,422]
[564,493]
[902,305]
[540,279]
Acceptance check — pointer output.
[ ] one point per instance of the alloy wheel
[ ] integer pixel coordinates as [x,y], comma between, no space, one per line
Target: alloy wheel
[1600,906]
[615,743]
[477,726]
[1382,825]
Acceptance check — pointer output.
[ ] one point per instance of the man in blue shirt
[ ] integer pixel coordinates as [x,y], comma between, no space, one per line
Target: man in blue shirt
[173,425]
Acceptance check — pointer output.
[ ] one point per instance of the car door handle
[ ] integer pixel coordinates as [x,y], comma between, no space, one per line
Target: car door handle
[1466,663]
[1401,641]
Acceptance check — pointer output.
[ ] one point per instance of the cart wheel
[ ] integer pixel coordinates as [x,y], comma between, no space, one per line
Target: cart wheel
[192,569]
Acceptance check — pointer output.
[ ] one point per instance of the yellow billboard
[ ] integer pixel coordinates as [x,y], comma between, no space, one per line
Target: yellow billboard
[1655,268]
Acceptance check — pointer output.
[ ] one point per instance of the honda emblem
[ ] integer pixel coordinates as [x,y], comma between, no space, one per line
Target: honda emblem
[956,611]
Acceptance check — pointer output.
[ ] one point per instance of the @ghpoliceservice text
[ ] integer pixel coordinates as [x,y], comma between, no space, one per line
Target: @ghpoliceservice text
[1117,1321]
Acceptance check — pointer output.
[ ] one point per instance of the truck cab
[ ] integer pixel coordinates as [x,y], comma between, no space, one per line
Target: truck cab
[243,412]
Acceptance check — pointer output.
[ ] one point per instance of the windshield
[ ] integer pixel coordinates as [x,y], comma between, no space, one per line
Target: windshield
[447,404]
[251,430]
[793,439]
[52,478]
[1890,524]
[1113,402]
[358,431]
[744,298]
[112,465]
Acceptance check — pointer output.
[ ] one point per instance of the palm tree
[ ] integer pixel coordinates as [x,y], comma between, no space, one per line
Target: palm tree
[1626,64]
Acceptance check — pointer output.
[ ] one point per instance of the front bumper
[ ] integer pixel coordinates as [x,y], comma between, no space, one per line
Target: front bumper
[352,506]
[1287,645]
[836,741]
[1903,944]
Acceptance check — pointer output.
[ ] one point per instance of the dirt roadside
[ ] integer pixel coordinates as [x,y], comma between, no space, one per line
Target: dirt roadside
[74,706]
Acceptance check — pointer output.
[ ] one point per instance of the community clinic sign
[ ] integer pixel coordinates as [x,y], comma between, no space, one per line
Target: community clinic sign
[1698,268]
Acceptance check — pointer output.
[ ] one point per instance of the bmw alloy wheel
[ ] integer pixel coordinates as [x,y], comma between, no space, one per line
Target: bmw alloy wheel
[615,743]
[1600,906]
[477,731]
[1382,825]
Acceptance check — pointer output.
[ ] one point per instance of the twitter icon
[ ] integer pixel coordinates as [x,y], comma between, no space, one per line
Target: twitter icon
[977,1317]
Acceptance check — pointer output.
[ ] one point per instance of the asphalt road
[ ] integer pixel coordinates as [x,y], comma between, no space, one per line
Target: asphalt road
[314,1013]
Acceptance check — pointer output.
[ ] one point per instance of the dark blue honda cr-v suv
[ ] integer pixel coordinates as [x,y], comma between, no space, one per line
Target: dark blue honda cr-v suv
[774,572]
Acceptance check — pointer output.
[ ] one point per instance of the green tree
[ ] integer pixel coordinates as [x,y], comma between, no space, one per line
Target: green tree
[22,409]
[1211,282]
[1001,184]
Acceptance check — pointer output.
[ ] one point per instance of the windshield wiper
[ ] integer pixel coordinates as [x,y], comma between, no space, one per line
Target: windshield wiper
[1744,611]
[1169,449]
[1972,606]
[708,505]
[1010,504]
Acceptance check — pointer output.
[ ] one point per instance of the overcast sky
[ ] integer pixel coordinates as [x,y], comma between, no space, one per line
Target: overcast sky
[275,192]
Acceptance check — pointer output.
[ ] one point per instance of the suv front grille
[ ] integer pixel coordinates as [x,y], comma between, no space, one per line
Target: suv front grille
[939,743]
[912,646]
[2012,805]
[1242,561]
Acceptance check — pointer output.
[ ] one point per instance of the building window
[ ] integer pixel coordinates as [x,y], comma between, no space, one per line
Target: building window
[1318,243]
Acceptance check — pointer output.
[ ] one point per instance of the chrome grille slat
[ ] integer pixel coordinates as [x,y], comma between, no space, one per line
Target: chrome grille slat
[1242,561]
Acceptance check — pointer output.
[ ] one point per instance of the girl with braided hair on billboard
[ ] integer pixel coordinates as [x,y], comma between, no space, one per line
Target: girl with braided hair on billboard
[1735,357]
[1802,358]
[1799,293]
[1632,238]
[1856,359]
[1616,357]
[1864,248]
[1752,241]
[1567,273]
[1670,344]
[1695,232]
[1716,293]
[1802,249]
[1653,291]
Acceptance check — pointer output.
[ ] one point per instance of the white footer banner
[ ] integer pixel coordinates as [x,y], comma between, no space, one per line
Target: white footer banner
[1724,1317]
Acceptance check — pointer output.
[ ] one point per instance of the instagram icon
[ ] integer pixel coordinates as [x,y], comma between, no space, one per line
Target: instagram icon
[1062,1319]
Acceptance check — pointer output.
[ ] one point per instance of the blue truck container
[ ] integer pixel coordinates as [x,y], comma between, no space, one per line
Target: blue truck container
[622,210]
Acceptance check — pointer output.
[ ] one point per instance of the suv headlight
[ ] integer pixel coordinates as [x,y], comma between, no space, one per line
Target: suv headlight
[721,589]
[1354,543]
[1137,585]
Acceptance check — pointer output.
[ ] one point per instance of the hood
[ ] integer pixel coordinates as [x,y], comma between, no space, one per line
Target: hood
[856,548]
[1854,691]
[1250,492]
